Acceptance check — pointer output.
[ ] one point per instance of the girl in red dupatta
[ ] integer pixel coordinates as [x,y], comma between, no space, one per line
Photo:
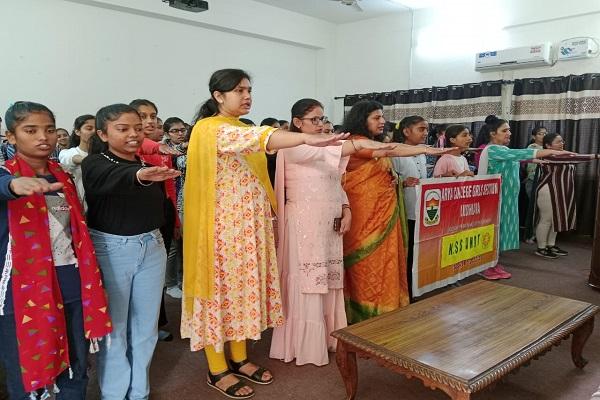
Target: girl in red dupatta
[49,308]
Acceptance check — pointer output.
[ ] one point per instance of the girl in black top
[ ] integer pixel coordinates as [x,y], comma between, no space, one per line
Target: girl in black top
[125,211]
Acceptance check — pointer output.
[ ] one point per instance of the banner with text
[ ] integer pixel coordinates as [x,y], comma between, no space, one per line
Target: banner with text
[456,230]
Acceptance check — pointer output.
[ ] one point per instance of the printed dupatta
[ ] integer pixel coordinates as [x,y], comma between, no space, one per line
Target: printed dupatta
[38,308]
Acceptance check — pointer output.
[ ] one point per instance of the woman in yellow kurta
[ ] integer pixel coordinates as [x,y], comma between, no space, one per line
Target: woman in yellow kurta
[231,288]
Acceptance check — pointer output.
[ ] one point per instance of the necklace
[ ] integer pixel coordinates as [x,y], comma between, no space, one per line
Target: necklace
[112,160]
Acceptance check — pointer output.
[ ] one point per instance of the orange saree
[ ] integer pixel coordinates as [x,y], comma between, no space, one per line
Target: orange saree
[374,255]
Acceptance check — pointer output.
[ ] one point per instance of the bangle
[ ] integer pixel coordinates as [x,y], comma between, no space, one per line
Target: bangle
[355,150]
[346,206]
[137,176]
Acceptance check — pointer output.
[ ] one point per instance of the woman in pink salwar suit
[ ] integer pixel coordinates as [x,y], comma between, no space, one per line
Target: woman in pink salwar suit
[310,252]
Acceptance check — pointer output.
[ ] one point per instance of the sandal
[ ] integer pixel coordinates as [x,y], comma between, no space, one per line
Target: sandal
[231,390]
[256,377]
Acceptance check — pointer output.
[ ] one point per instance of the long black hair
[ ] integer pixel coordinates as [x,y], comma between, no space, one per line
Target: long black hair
[223,80]
[79,122]
[355,121]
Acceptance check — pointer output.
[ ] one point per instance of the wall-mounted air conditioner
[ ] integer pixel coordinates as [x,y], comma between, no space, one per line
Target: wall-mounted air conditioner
[518,57]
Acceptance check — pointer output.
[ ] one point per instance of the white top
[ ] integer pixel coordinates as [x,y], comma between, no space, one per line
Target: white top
[65,157]
[483,161]
[59,220]
[410,167]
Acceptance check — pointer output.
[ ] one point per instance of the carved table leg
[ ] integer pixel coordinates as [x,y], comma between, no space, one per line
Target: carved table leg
[580,337]
[453,393]
[461,396]
[346,362]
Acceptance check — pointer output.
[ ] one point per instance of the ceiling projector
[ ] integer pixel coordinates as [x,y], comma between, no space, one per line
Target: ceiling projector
[188,5]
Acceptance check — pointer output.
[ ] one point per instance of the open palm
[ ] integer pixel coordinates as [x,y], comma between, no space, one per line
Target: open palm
[373,145]
[157,174]
[438,151]
[324,140]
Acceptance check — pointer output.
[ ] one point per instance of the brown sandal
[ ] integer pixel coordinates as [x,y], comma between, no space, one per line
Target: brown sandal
[231,390]
[256,377]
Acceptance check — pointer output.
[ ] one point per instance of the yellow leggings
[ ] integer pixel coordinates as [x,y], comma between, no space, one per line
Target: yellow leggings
[217,362]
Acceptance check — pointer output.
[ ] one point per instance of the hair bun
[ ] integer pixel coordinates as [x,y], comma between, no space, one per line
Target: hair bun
[490,119]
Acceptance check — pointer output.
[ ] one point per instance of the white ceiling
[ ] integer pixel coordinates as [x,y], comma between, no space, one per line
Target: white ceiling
[335,11]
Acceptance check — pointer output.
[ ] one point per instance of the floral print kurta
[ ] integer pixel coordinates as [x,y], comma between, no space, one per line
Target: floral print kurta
[246,297]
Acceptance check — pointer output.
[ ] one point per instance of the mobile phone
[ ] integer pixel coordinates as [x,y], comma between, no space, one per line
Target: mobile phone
[337,224]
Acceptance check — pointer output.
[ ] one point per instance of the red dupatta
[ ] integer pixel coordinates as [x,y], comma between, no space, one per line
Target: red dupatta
[38,308]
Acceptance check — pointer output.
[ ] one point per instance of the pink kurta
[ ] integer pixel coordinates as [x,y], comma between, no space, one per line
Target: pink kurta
[450,164]
[309,253]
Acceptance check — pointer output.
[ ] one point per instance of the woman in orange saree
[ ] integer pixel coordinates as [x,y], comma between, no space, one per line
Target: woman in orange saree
[374,251]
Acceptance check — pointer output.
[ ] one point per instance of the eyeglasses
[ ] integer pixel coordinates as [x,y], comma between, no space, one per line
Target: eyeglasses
[316,120]
[180,130]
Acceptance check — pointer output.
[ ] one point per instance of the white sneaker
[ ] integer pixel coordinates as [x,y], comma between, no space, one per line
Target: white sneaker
[174,292]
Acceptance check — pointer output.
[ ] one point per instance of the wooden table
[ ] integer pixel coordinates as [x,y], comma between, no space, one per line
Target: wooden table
[467,338]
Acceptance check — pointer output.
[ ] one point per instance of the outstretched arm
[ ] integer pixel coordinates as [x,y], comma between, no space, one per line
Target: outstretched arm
[355,146]
[281,139]
[404,150]
[25,186]
[568,158]
[563,154]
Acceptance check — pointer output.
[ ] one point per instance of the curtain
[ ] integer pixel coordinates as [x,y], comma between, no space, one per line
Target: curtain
[469,103]
[569,105]
[466,104]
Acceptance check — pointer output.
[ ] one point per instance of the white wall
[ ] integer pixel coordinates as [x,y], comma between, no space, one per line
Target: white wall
[371,56]
[381,54]
[444,50]
[76,56]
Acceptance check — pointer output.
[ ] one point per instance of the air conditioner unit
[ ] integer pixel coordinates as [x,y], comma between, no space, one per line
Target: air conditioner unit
[518,57]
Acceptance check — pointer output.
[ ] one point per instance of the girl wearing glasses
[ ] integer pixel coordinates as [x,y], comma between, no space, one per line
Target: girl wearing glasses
[175,133]
[313,215]
[309,253]
[230,281]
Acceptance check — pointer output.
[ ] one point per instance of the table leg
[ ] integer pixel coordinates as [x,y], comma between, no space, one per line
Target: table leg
[461,396]
[580,337]
[454,394]
[346,362]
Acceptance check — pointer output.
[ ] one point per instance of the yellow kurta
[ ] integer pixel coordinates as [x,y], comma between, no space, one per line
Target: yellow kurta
[231,286]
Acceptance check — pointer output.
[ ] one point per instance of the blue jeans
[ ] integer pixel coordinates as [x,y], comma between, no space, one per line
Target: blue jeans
[70,389]
[133,269]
